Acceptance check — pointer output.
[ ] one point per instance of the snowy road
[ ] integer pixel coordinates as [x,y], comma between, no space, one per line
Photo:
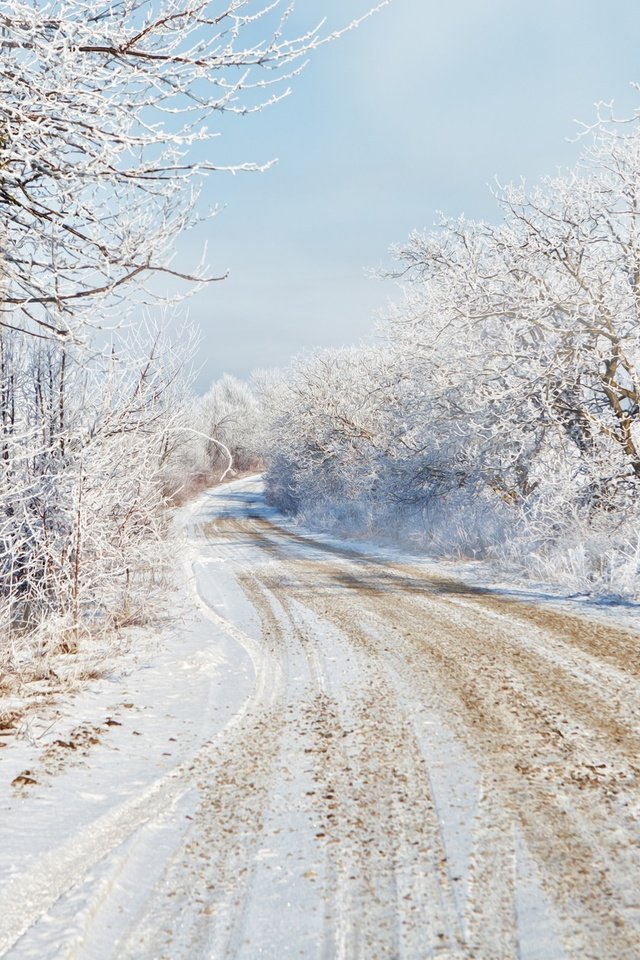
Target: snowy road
[386,764]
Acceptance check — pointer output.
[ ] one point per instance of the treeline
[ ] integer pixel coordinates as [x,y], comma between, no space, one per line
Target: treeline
[92,456]
[107,113]
[498,414]
[85,450]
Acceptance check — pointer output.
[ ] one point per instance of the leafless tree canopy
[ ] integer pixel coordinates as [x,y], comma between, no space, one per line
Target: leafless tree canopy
[502,415]
[107,113]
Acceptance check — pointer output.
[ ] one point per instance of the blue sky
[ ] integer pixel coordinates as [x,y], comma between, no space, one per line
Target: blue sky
[415,112]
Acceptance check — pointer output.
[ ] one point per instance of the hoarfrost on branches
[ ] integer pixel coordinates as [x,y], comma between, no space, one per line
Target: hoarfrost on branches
[108,119]
[500,416]
[109,116]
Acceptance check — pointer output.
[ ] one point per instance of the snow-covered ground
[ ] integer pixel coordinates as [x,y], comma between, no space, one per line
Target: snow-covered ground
[333,752]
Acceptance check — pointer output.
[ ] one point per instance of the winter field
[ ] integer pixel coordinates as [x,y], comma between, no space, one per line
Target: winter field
[332,753]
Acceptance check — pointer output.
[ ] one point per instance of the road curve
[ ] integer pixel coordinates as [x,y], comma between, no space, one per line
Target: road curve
[423,768]
[433,770]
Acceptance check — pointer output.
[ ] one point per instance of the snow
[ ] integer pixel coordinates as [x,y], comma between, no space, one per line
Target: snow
[174,692]
[284,771]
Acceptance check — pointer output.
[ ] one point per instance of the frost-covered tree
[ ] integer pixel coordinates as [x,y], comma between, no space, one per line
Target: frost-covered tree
[109,114]
[229,415]
[81,481]
[539,322]
[330,429]
[508,403]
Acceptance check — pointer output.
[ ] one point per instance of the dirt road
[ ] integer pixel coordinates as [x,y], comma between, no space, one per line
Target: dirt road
[421,769]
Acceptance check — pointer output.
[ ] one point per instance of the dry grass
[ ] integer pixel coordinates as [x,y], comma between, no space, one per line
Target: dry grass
[8,719]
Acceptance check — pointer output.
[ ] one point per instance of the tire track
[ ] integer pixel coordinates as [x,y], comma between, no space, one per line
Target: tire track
[563,755]
[379,821]
[327,780]
[490,915]
[212,870]
[574,838]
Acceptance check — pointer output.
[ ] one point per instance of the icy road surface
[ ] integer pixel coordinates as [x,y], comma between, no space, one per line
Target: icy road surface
[346,756]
